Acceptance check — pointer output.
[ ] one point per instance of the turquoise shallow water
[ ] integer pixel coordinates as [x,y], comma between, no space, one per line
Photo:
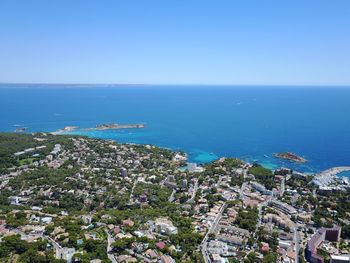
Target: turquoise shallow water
[207,122]
[344,174]
[204,157]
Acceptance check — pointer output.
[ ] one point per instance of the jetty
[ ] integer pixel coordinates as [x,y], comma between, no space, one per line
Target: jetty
[329,176]
[334,171]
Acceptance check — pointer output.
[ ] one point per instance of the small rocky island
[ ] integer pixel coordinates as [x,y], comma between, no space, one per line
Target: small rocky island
[101,127]
[291,157]
[114,126]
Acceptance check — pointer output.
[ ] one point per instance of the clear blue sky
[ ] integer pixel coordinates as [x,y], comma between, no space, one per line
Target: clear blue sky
[175,41]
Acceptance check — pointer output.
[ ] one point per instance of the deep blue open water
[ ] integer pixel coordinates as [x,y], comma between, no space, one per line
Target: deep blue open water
[207,122]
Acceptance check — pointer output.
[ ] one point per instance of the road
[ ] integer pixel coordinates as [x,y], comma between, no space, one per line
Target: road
[171,197]
[132,191]
[241,191]
[58,248]
[195,189]
[297,244]
[283,186]
[210,230]
[110,240]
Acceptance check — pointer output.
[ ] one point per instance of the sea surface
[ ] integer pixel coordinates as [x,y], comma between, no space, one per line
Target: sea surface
[207,122]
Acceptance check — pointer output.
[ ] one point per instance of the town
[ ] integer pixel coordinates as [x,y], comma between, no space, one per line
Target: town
[70,199]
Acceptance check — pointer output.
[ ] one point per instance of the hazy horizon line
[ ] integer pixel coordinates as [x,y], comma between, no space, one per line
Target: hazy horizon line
[82,84]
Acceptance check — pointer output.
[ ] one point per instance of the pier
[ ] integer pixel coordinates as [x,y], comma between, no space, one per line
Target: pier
[334,171]
[328,177]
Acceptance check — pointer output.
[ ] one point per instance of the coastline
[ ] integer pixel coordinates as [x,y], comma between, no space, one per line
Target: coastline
[248,134]
[195,155]
[202,156]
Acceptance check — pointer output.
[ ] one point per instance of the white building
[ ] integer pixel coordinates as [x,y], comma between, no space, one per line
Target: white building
[340,259]
[260,188]
[165,226]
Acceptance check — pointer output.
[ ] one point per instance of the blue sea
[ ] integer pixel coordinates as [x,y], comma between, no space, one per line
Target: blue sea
[207,122]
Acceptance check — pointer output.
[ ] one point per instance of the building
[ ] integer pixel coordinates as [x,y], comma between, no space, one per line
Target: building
[128,222]
[217,247]
[265,247]
[283,171]
[46,220]
[323,234]
[279,220]
[184,183]
[304,217]
[56,149]
[160,245]
[143,198]
[260,188]
[217,258]
[231,235]
[126,258]
[193,168]
[340,259]
[170,182]
[179,158]
[167,259]
[65,253]
[151,254]
[14,200]
[165,226]
[123,172]
[171,178]
[285,208]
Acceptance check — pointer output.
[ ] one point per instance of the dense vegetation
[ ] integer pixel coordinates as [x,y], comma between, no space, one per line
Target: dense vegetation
[11,143]
[36,252]
[247,218]
[263,176]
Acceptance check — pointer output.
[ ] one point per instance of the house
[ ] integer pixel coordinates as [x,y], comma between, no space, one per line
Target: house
[160,245]
[217,258]
[65,253]
[128,223]
[126,259]
[265,247]
[151,254]
[116,230]
[46,220]
[167,259]
[165,226]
